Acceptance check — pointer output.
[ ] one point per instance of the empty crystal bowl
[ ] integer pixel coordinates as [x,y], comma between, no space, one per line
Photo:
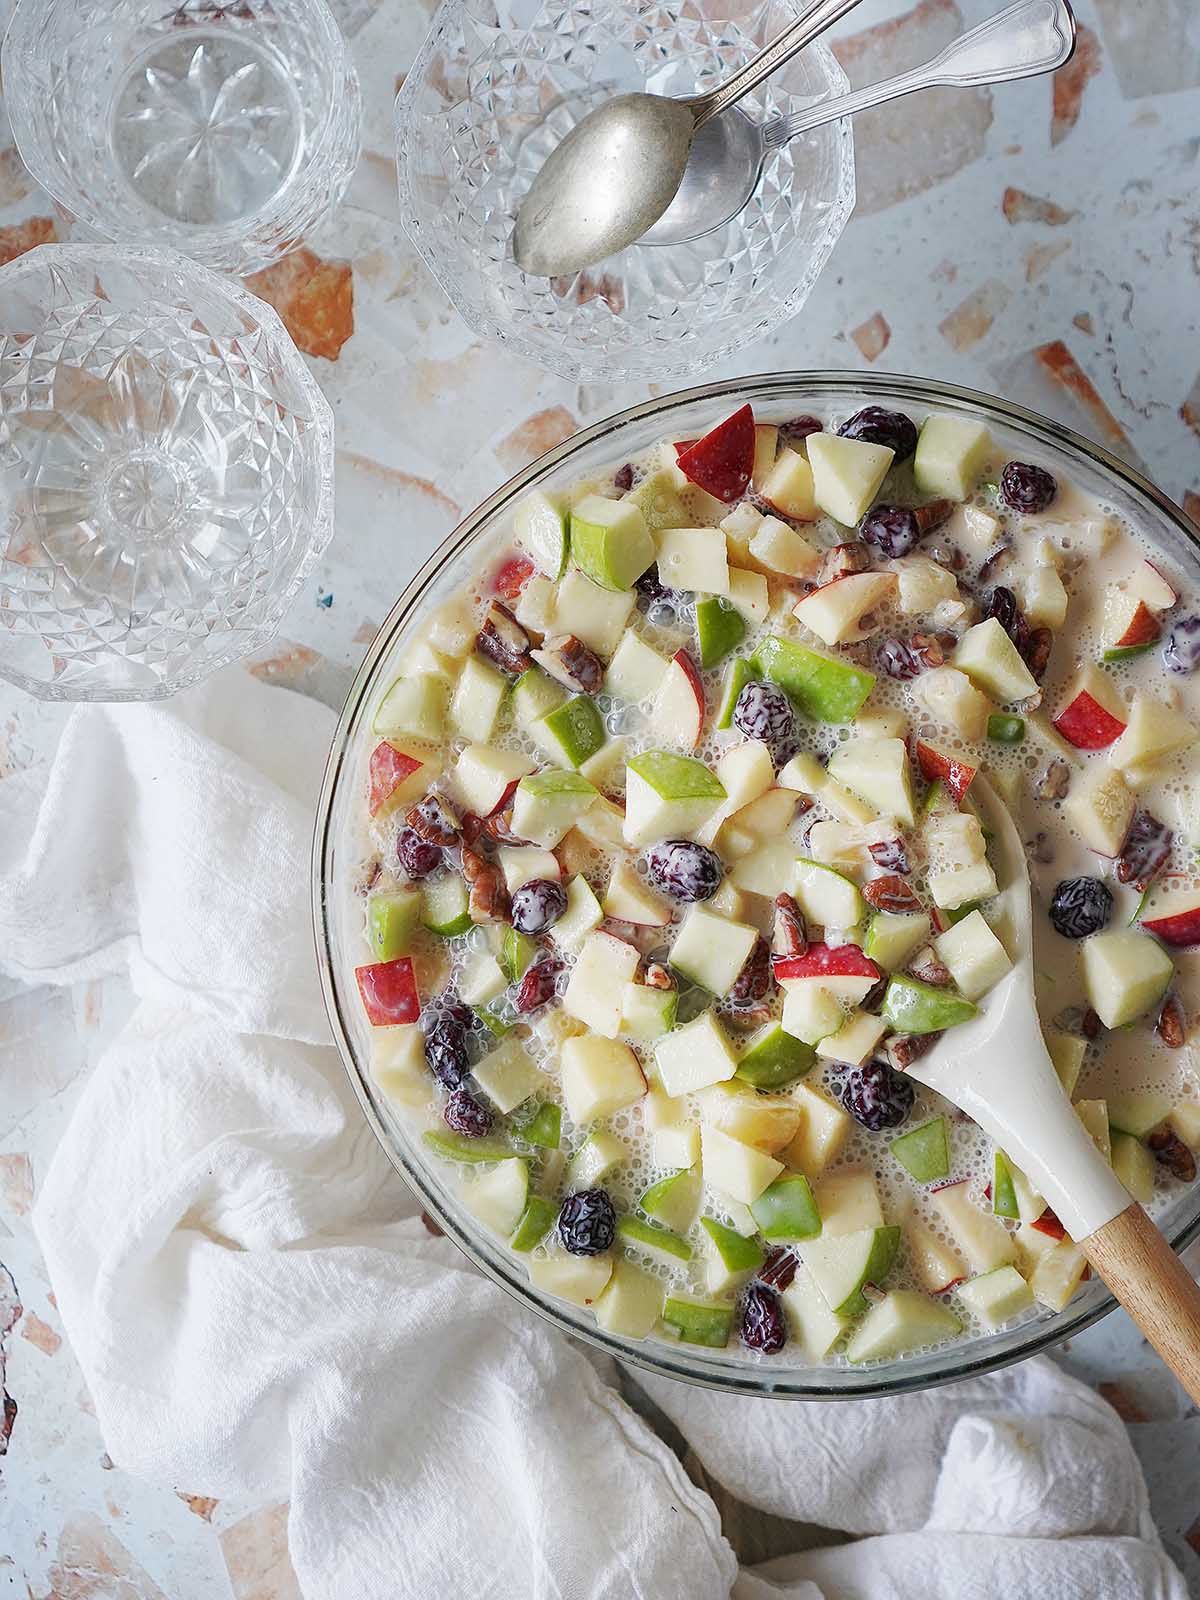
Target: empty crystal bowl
[166,472]
[495,87]
[225,131]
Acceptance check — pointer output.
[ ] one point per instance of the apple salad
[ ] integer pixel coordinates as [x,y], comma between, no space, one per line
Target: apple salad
[671,868]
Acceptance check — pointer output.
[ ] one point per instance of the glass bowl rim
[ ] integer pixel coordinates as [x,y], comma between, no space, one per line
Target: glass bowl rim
[655,1356]
[322,420]
[598,368]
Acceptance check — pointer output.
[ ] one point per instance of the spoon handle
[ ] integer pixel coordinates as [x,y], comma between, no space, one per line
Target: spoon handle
[812,22]
[1154,1286]
[1030,37]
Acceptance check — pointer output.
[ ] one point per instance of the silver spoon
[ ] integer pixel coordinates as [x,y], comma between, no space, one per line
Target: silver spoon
[727,157]
[617,171]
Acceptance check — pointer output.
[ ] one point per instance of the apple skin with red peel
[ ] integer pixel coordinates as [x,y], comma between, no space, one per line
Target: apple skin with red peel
[1087,725]
[1179,929]
[506,798]
[389,992]
[937,766]
[723,460]
[1143,627]
[1049,1224]
[389,769]
[827,961]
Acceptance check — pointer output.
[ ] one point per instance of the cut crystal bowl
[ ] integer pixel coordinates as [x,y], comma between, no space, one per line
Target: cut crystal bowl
[495,87]
[166,472]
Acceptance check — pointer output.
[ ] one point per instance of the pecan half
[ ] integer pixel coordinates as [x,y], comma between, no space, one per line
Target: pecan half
[994,561]
[1145,851]
[890,854]
[932,649]
[538,984]
[1054,781]
[656,976]
[843,559]
[503,640]
[902,1049]
[926,967]
[1171,1026]
[890,894]
[1090,1024]
[753,983]
[933,513]
[569,661]
[497,829]
[1037,652]
[1170,1151]
[434,820]
[488,900]
[789,936]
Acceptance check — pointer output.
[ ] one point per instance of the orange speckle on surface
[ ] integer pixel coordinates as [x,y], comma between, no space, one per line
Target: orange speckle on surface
[1123,1402]
[256,1557]
[1083,321]
[92,996]
[202,1505]
[1190,409]
[872,336]
[1191,504]
[944,272]
[40,1334]
[969,322]
[1193,1536]
[1070,82]
[16,1183]
[24,236]
[365,632]
[1058,364]
[1018,206]
[394,478]
[93,1564]
[287,662]
[1041,257]
[314,298]
[534,436]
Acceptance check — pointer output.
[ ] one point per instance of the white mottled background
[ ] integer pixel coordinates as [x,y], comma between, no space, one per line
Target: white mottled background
[1042,241]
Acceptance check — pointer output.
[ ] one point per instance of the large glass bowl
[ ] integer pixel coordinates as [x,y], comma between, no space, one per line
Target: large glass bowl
[496,86]
[338,921]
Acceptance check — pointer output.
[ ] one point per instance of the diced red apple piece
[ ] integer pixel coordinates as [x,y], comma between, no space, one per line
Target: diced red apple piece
[678,713]
[1148,583]
[722,461]
[395,776]
[789,488]
[766,443]
[841,969]
[939,766]
[389,992]
[1179,926]
[1128,620]
[845,611]
[1094,714]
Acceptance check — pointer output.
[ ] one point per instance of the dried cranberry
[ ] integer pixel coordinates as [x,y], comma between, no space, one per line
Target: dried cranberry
[763,1327]
[797,429]
[650,588]
[446,1052]
[1027,488]
[877,425]
[876,1096]
[623,477]
[537,905]
[1080,907]
[894,529]
[890,854]
[779,1268]
[587,1223]
[753,982]
[538,984]
[897,660]
[1145,851]
[417,856]
[1002,604]
[1181,653]
[685,870]
[466,1115]
[764,712]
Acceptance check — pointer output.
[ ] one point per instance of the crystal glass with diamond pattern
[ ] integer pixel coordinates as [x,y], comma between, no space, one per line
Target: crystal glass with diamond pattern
[166,472]
[495,87]
[223,128]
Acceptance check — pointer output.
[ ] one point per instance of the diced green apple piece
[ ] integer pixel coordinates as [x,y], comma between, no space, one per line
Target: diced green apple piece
[1137,1113]
[730,1258]
[985,1242]
[855,1040]
[497,1198]
[711,950]
[1094,1116]
[521,865]
[629,898]
[766,1121]
[842,1265]
[972,955]
[894,936]
[847,474]
[674,1200]
[540,1124]
[824,1129]
[879,772]
[534,694]
[774,1058]
[667,795]
[593,995]
[813,1327]
[547,805]
[571,732]
[1185,1122]
[825,688]
[392,922]
[825,896]
[990,659]
[458,1147]
[599,1076]
[1057,1275]
[764,870]
[848,1201]
[1004,1189]
[811,1012]
[541,527]
[952,453]
[444,906]
[1134,1166]
[1100,807]
[924,1152]
[579,1279]
[737,675]
[398,1064]
[475,704]
[631,1303]
[636,671]
[482,776]
[902,1321]
[692,1057]
[599,1154]
[1067,1052]
[1125,973]
[936,1266]
[534,1223]
[660,1244]
[1155,731]
[647,1013]
[720,628]
[592,613]
[704,1322]
[695,559]
[659,500]
[415,706]
[582,916]
[735,1168]
[610,542]
[508,1077]
[786,1210]
[748,592]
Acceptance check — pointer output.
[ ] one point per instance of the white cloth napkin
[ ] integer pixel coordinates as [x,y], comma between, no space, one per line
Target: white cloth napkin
[259,1311]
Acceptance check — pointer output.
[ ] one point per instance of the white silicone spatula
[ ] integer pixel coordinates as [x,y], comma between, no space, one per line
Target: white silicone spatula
[997,1069]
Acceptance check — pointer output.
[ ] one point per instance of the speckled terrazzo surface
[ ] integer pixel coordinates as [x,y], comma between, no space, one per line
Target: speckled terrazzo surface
[1042,242]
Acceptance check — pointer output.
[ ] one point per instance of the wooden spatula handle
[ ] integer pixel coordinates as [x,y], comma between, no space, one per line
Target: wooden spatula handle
[1154,1286]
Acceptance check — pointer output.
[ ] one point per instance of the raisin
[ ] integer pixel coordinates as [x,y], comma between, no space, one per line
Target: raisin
[466,1115]
[779,1268]
[417,857]
[687,871]
[1145,851]
[877,425]
[763,1327]
[587,1222]
[898,660]
[1002,604]
[537,905]
[797,429]
[1027,488]
[1037,652]
[1181,653]
[623,478]
[446,1052]
[763,711]
[539,983]
[1080,907]
[1170,1151]
[877,1097]
[890,894]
